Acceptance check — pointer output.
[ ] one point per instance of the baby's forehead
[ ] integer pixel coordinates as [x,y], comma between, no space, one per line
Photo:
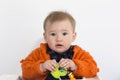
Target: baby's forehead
[54,21]
[65,22]
[49,23]
[59,28]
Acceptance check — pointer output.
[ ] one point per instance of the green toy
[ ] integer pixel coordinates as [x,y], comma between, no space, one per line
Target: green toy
[59,72]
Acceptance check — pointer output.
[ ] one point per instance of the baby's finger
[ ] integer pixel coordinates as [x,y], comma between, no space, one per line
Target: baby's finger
[50,67]
[53,62]
[62,60]
[67,66]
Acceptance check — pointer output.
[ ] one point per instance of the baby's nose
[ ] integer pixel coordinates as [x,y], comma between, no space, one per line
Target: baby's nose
[59,38]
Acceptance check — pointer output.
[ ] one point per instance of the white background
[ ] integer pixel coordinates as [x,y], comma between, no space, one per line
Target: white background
[98,29]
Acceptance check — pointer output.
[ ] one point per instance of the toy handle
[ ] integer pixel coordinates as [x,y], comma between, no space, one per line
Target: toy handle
[71,76]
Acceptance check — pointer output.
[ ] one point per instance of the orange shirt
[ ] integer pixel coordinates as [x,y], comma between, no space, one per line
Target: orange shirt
[87,66]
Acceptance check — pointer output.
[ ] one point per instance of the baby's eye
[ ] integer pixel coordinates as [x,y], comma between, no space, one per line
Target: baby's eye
[53,34]
[64,33]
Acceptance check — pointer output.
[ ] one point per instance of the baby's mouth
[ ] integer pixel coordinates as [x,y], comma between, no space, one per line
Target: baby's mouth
[59,45]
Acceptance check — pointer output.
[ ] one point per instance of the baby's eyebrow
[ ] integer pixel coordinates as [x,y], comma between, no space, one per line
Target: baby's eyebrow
[64,30]
[51,31]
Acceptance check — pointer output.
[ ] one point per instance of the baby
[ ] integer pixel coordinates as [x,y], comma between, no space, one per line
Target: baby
[59,33]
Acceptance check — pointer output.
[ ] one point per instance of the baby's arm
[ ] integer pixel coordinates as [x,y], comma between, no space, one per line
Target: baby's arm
[31,65]
[86,66]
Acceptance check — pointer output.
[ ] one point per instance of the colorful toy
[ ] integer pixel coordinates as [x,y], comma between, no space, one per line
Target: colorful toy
[60,72]
[71,76]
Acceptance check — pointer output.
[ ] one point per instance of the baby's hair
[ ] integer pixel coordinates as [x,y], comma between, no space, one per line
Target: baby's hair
[58,16]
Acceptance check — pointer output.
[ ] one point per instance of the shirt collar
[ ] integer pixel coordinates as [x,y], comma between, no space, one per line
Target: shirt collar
[57,56]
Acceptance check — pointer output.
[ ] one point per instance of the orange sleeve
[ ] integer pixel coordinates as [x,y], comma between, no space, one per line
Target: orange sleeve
[31,65]
[87,66]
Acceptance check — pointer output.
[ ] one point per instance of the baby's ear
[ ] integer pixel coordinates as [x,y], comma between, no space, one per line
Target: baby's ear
[44,36]
[74,36]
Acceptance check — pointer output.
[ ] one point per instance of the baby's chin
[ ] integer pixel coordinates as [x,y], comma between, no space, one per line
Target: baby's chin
[60,51]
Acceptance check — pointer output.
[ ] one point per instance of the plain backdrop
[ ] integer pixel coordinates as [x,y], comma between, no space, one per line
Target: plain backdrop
[97,27]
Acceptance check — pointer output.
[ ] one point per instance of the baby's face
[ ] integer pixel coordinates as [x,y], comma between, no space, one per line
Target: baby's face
[59,35]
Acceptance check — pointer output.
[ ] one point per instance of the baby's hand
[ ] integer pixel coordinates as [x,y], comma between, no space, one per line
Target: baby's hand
[68,64]
[48,65]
